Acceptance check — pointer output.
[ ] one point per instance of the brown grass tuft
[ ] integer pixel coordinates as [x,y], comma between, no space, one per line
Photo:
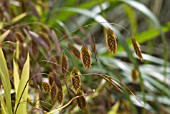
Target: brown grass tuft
[136,47]
[111,41]
[86,56]
[64,64]
[75,78]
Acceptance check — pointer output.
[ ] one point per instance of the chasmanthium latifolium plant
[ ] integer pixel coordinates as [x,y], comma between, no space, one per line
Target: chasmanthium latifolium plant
[54,87]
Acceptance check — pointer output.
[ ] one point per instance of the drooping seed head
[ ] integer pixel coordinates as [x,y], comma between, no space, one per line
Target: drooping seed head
[59,96]
[74,50]
[50,78]
[134,75]
[111,41]
[81,101]
[136,47]
[75,78]
[46,86]
[64,64]
[86,56]
[53,93]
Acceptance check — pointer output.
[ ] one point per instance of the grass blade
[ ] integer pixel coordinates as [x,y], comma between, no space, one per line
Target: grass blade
[5,81]
[22,96]
[15,69]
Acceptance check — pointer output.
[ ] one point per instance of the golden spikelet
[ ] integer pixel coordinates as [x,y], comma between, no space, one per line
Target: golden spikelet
[111,41]
[134,75]
[64,64]
[136,47]
[86,56]
[81,101]
[59,96]
[46,86]
[75,78]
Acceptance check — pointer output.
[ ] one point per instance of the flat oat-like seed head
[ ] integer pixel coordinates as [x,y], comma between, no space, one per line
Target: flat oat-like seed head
[111,41]
[86,56]
[46,86]
[136,47]
[81,101]
[75,78]
[134,75]
[64,64]
[59,96]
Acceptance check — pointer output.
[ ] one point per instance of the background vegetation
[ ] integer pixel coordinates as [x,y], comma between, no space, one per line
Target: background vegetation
[36,34]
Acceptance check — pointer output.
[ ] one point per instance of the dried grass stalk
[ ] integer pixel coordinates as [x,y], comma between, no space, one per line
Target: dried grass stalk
[75,78]
[81,101]
[134,75]
[86,56]
[74,50]
[64,64]
[136,47]
[46,86]
[111,41]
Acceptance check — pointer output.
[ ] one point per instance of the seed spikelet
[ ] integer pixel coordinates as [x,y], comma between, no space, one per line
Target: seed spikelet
[81,101]
[86,56]
[59,96]
[111,41]
[64,64]
[46,86]
[136,47]
[134,75]
[75,78]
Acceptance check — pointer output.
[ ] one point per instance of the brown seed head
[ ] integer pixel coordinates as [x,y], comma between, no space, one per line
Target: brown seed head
[81,101]
[57,80]
[53,93]
[134,75]
[111,41]
[75,78]
[46,86]
[50,78]
[86,56]
[136,47]
[74,50]
[64,64]
[59,96]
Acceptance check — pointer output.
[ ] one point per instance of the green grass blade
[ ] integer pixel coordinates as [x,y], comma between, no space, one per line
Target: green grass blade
[4,35]
[22,109]
[15,69]
[5,81]
[3,105]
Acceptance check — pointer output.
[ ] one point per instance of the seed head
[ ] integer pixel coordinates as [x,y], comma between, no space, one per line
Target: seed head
[74,50]
[111,41]
[81,101]
[46,86]
[136,47]
[53,93]
[59,96]
[86,56]
[75,78]
[64,64]
[134,75]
